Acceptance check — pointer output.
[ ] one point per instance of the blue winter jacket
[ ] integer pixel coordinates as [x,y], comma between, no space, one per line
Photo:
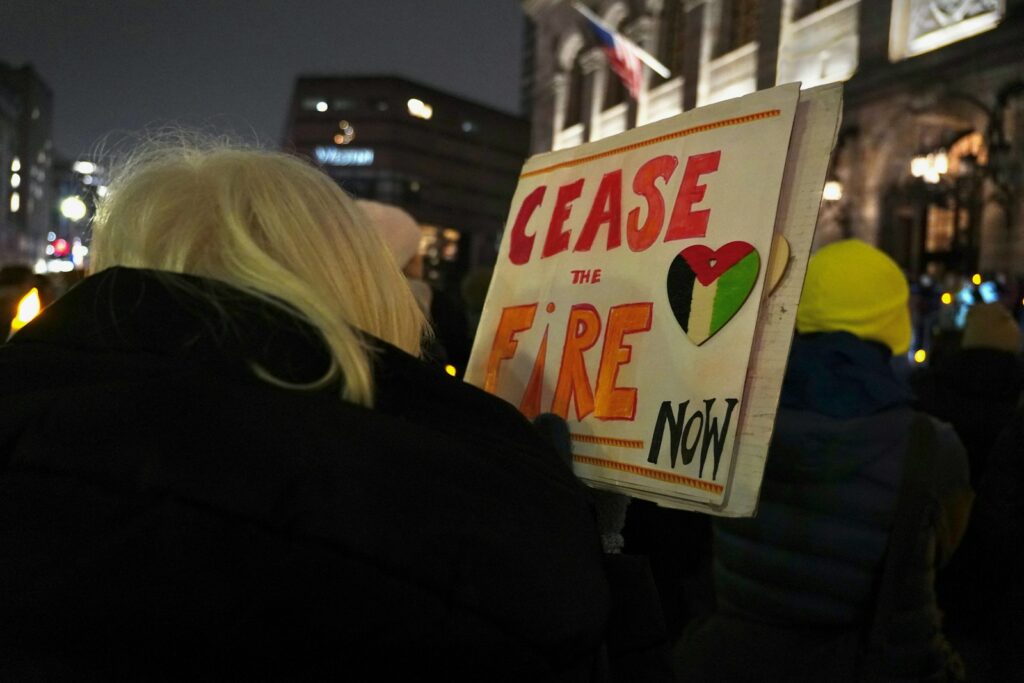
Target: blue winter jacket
[812,554]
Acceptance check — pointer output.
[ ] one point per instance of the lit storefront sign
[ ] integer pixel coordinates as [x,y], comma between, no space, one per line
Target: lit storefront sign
[336,156]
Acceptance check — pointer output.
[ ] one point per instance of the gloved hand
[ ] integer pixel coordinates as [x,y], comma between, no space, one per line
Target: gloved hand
[610,508]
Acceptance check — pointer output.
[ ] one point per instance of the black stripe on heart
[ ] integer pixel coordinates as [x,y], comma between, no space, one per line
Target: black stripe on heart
[680,289]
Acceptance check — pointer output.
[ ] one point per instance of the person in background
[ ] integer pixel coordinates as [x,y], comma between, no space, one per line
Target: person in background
[1000,521]
[450,343]
[977,387]
[862,500]
[474,293]
[402,235]
[222,459]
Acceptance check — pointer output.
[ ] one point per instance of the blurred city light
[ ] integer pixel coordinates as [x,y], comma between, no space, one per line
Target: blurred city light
[15,202]
[15,180]
[920,355]
[15,165]
[83,167]
[101,190]
[833,191]
[419,108]
[78,253]
[947,298]
[976,279]
[450,369]
[73,208]
[930,167]
[321,106]
[59,265]
[332,156]
[28,308]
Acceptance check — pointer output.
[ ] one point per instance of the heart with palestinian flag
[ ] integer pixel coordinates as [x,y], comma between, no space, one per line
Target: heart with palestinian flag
[706,287]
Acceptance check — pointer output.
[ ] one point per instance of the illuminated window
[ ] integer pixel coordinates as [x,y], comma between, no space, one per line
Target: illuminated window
[419,108]
[919,26]
[940,230]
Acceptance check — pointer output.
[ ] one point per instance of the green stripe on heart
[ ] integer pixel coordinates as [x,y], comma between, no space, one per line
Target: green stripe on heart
[707,287]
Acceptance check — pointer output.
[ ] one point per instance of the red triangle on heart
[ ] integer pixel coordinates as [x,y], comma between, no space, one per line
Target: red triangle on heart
[708,264]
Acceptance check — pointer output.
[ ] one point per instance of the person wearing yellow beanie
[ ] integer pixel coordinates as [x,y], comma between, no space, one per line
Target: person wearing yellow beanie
[853,287]
[802,578]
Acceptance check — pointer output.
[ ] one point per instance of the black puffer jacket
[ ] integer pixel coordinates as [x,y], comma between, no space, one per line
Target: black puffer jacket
[164,514]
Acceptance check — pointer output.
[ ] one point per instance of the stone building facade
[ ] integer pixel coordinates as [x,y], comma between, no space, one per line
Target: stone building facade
[936,81]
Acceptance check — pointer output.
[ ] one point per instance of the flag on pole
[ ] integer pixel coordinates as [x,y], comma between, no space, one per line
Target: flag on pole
[624,57]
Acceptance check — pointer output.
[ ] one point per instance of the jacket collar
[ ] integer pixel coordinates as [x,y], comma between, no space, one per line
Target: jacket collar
[169,314]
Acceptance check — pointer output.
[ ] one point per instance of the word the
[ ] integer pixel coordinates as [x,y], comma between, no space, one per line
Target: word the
[701,430]
[583,330]
[582,277]
[606,210]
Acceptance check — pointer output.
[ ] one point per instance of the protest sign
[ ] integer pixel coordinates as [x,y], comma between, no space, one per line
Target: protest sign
[635,293]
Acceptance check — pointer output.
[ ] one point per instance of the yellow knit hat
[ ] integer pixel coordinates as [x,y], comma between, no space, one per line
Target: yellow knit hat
[853,287]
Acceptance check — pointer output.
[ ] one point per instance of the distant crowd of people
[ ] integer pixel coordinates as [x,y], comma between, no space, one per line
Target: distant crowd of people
[233,452]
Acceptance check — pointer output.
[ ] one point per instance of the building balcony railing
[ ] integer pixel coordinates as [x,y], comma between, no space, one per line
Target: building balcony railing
[664,101]
[731,75]
[611,121]
[570,137]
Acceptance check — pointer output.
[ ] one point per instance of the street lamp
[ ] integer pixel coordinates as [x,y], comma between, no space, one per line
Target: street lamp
[73,208]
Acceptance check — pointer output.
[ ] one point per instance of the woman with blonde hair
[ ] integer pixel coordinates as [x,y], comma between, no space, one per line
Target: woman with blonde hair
[221,457]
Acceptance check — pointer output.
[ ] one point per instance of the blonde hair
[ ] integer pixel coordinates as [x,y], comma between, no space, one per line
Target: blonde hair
[270,224]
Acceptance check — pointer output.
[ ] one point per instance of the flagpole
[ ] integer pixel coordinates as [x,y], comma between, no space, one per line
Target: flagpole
[641,54]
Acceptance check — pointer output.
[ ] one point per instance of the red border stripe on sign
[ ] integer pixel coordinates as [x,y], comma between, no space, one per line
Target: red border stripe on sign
[607,441]
[652,474]
[767,114]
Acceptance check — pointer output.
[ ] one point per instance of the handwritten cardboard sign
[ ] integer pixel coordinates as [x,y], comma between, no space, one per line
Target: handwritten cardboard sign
[630,293]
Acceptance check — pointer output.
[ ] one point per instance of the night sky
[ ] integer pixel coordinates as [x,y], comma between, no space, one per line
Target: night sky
[229,65]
